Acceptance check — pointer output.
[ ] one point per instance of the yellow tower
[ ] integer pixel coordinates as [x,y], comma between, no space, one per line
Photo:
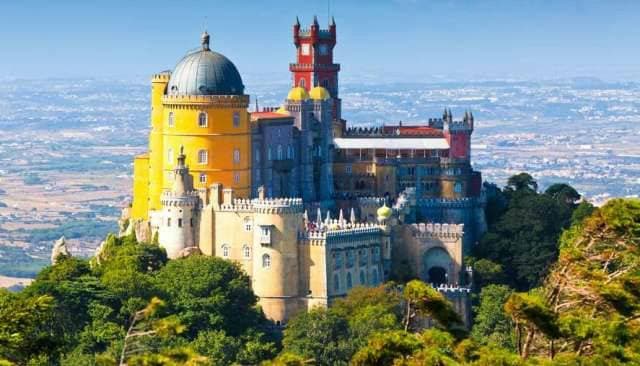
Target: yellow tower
[201,109]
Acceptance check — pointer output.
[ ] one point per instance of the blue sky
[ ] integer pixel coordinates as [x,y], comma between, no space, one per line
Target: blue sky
[377,39]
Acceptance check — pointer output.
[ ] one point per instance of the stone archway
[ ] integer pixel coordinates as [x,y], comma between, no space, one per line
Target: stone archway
[436,266]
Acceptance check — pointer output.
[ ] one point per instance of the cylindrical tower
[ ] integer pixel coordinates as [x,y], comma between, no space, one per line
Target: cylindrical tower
[276,269]
[158,89]
[204,110]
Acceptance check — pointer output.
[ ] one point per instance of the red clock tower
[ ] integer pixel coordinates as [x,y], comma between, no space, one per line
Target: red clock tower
[314,60]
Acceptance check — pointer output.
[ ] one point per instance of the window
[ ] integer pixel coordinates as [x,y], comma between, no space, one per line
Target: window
[169,222]
[171,120]
[301,83]
[349,281]
[279,152]
[375,257]
[266,261]
[336,283]
[248,224]
[264,230]
[324,50]
[457,187]
[306,50]
[325,84]
[363,279]
[246,251]
[225,251]
[236,178]
[289,152]
[374,277]
[203,157]
[203,178]
[351,259]
[337,260]
[269,153]
[170,156]
[348,169]
[191,221]
[202,119]
[179,222]
[236,156]
[364,258]
[257,155]
[236,119]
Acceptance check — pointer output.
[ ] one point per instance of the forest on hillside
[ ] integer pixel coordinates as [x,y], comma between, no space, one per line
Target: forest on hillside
[557,283]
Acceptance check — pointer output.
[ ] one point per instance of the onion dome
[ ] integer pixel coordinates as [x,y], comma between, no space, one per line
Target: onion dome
[282,110]
[319,93]
[298,94]
[384,212]
[205,72]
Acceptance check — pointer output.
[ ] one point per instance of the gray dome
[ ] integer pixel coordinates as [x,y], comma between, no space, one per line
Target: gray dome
[205,72]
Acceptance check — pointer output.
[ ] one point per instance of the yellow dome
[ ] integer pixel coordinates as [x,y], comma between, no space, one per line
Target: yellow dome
[384,212]
[319,93]
[298,94]
[282,110]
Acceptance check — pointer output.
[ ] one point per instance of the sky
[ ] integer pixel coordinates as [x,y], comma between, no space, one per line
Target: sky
[378,40]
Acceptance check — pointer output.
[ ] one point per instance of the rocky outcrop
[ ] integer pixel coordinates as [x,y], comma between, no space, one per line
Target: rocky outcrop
[59,249]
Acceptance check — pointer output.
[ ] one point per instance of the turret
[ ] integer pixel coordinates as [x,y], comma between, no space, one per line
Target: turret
[296,32]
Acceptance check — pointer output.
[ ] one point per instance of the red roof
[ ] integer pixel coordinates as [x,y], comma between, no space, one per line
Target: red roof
[413,131]
[267,115]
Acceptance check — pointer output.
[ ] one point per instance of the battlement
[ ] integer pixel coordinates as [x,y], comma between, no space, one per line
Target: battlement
[432,230]
[370,201]
[448,290]
[338,228]
[464,202]
[186,199]
[278,205]
[161,77]
[458,126]
[314,67]
[225,101]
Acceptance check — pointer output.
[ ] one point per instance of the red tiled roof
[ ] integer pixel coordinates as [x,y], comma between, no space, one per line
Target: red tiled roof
[413,130]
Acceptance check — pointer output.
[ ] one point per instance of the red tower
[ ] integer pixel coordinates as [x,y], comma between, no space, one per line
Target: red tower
[314,60]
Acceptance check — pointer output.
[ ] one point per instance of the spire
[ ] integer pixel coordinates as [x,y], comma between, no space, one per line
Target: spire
[333,21]
[257,110]
[319,216]
[204,40]
[450,115]
[352,217]
[305,217]
[341,217]
[315,21]
[328,220]
[297,21]
[445,114]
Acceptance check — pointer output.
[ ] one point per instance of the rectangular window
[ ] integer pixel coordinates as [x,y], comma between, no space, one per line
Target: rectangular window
[236,178]
[203,157]
[236,119]
[179,222]
[236,156]
[203,178]
[348,169]
[169,222]
[170,156]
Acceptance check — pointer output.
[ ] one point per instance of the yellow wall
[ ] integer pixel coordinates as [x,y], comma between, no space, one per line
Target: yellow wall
[220,138]
[140,204]
[158,87]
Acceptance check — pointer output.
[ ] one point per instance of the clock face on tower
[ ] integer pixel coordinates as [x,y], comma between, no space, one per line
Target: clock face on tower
[323,49]
[305,49]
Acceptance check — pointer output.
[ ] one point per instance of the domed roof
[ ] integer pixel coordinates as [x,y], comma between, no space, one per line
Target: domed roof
[384,212]
[204,72]
[319,93]
[298,94]
[282,110]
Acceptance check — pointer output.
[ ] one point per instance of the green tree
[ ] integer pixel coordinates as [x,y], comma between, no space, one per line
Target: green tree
[491,323]
[387,347]
[320,335]
[422,301]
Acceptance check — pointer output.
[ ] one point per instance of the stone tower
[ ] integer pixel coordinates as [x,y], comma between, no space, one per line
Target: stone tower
[277,224]
[178,222]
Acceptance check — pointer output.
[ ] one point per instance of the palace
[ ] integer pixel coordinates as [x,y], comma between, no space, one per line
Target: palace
[308,206]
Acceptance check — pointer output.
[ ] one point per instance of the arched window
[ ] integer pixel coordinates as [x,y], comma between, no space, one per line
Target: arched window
[349,281]
[266,261]
[236,177]
[236,119]
[269,153]
[336,283]
[171,120]
[279,152]
[203,178]
[248,224]
[203,157]
[236,156]
[301,83]
[170,156]
[257,155]
[202,119]
[374,276]
[325,84]
[246,251]
[225,251]
[350,259]
[457,187]
[363,279]
[289,152]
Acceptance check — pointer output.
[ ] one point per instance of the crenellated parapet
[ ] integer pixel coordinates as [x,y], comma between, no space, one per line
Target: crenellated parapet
[341,232]
[200,101]
[278,205]
[162,77]
[370,201]
[465,202]
[452,290]
[184,199]
[436,230]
